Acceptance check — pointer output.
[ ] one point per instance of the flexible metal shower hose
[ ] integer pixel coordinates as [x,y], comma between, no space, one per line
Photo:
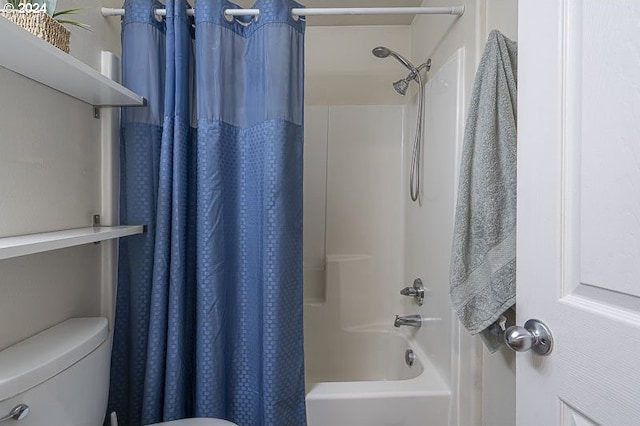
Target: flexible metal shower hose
[415,174]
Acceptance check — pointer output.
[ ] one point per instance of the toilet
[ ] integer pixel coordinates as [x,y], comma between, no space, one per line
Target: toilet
[61,377]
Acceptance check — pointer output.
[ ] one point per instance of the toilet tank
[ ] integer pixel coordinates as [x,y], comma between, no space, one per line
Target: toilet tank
[62,374]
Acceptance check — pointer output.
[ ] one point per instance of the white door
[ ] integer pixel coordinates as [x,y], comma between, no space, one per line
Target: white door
[579,210]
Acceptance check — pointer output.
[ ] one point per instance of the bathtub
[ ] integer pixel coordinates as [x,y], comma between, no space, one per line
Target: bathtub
[355,367]
[361,379]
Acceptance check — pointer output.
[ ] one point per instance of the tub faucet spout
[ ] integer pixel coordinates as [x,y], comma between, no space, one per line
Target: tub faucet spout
[408,320]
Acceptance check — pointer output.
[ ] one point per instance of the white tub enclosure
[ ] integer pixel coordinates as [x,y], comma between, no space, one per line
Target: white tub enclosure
[365,240]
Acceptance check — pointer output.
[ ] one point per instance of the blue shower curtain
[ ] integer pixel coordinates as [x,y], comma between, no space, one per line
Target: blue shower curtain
[209,304]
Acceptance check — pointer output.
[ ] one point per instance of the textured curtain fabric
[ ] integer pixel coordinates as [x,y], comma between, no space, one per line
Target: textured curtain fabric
[209,305]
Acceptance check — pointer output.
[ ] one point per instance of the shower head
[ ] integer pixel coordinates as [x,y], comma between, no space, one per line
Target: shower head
[385,52]
[381,52]
[401,86]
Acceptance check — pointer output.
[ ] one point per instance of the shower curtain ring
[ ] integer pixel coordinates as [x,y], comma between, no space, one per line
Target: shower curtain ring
[156,15]
[227,18]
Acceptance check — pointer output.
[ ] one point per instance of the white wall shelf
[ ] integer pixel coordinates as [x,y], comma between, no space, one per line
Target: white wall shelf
[26,54]
[23,245]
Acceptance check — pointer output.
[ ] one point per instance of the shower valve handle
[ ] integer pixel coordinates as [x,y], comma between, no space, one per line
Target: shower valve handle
[416,291]
[18,412]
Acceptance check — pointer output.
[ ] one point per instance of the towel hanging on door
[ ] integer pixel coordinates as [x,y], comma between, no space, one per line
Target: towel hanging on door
[483,261]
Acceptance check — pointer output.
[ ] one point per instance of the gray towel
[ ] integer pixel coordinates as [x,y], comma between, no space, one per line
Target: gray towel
[483,261]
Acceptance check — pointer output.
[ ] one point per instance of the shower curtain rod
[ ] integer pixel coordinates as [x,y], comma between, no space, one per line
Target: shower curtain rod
[438,10]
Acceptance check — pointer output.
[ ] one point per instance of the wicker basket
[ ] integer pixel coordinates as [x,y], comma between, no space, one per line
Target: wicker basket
[42,26]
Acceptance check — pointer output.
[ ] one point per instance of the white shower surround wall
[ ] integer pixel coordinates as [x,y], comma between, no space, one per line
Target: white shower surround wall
[375,243]
[354,202]
[429,227]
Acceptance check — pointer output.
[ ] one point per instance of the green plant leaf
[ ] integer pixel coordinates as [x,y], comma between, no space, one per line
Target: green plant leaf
[75,24]
[67,11]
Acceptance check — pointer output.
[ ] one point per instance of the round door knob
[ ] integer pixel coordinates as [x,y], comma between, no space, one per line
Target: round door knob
[535,335]
[518,338]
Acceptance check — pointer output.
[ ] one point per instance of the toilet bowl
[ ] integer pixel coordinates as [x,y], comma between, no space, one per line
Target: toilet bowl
[62,376]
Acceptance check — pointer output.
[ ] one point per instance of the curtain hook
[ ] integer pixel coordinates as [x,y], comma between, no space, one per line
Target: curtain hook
[227,18]
[155,14]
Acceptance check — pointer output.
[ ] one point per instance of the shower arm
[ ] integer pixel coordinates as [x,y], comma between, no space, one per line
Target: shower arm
[425,65]
[415,73]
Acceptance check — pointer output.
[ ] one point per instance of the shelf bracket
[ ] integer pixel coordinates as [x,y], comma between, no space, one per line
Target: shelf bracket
[96,224]
[96,112]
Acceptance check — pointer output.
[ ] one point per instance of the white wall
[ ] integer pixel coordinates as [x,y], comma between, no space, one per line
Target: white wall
[364,204]
[50,180]
[359,142]
[353,186]
[486,384]
[341,70]
[428,228]
[316,140]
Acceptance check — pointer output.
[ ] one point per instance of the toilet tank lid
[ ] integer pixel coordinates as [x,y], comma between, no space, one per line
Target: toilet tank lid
[40,357]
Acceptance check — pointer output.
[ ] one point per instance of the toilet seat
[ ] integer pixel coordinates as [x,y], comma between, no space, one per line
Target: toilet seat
[196,422]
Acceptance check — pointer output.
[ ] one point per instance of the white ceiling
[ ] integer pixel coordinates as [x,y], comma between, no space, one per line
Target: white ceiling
[353,20]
